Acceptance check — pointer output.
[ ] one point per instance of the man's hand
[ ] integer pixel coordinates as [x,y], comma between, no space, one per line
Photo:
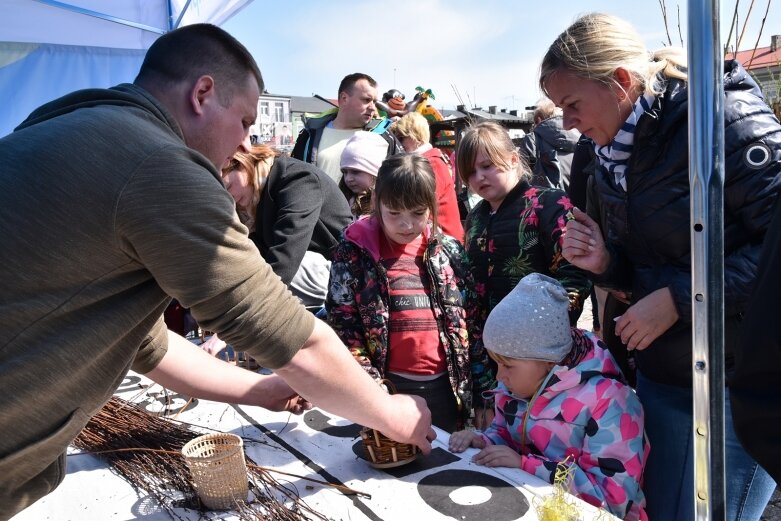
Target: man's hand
[187,369]
[412,422]
[583,245]
[647,319]
[279,396]
[498,456]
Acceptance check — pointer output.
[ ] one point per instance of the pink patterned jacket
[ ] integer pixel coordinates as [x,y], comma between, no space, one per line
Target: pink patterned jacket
[585,412]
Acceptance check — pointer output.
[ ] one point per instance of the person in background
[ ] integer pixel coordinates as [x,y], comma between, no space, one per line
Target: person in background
[634,106]
[95,246]
[295,215]
[755,384]
[361,159]
[413,132]
[549,147]
[514,231]
[561,401]
[323,137]
[397,291]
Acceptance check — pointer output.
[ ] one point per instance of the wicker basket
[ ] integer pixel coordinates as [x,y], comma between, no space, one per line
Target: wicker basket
[383,452]
[216,462]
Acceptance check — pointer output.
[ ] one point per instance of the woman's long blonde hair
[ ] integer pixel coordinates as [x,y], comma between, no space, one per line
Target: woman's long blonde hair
[257,164]
[597,44]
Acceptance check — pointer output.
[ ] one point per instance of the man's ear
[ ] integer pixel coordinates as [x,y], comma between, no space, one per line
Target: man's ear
[201,93]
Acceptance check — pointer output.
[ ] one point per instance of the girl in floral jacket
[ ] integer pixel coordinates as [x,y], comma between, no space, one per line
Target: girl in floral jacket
[514,231]
[561,401]
[397,290]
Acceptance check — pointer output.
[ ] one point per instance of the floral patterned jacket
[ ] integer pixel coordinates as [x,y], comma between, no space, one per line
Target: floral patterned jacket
[585,412]
[523,236]
[358,302]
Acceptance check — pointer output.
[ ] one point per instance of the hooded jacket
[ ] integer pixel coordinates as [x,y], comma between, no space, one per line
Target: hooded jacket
[104,213]
[308,140]
[585,412]
[648,226]
[358,302]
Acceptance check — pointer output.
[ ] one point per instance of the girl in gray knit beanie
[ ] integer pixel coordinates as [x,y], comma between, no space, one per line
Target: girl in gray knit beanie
[560,400]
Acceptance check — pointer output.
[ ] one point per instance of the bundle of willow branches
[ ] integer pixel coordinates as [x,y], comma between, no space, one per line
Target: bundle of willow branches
[146,451]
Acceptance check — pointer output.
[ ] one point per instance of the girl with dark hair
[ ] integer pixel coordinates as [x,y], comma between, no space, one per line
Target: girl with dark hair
[397,290]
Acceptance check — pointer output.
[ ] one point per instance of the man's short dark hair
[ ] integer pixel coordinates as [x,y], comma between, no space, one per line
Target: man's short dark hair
[192,51]
[351,79]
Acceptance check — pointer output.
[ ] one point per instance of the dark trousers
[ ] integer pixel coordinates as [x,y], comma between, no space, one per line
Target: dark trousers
[438,395]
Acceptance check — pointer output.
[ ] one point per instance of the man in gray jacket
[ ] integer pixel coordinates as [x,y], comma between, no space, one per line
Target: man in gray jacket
[548,148]
[110,202]
[324,137]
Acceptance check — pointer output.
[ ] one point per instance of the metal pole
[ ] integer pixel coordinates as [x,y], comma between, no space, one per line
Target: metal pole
[706,180]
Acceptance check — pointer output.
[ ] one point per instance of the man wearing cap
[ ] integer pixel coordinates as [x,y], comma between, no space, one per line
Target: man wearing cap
[324,137]
[560,399]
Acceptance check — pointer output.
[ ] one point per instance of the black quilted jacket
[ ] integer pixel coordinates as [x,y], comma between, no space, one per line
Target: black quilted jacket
[648,225]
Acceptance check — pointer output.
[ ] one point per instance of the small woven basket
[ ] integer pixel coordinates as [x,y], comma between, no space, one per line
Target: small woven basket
[216,462]
[383,452]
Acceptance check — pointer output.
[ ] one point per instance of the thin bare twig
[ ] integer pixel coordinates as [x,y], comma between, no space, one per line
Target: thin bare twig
[145,450]
[761,27]
[680,33]
[745,22]
[663,7]
[732,25]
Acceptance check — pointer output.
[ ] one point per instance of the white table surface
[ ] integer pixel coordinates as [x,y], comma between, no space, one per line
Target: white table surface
[316,445]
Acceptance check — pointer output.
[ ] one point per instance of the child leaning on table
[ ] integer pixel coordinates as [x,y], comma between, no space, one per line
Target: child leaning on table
[560,396]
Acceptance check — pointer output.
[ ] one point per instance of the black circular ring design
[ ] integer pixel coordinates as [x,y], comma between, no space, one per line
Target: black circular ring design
[506,503]
[757,155]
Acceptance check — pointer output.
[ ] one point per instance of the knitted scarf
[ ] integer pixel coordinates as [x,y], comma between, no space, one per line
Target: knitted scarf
[615,155]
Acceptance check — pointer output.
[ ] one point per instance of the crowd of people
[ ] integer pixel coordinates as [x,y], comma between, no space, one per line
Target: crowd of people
[346,268]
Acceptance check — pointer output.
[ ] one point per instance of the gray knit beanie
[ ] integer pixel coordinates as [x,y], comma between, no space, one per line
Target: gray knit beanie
[531,322]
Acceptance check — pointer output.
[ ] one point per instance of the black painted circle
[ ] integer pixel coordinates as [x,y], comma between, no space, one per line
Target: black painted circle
[320,422]
[506,503]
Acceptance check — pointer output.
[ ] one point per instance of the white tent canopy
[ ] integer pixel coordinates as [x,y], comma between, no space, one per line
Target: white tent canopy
[49,48]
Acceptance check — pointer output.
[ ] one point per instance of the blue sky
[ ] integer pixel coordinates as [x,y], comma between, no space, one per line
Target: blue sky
[488,49]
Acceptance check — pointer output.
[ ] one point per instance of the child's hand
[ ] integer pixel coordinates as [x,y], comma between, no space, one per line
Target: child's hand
[483,417]
[498,456]
[461,440]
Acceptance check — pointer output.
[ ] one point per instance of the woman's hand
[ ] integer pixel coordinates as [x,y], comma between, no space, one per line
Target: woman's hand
[462,440]
[498,456]
[582,244]
[647,319]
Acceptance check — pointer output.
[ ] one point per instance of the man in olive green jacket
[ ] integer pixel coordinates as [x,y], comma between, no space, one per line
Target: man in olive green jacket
[110,201]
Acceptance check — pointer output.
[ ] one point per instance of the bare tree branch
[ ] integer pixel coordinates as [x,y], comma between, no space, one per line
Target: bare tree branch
[680,34]
[663,7]
[732,25]
[745,21]
[761,27]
